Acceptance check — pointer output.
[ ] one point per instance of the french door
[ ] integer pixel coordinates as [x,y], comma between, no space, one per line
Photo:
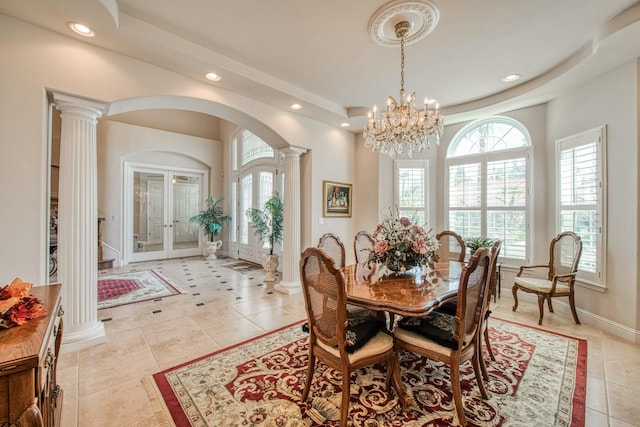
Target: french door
[252,189]
[158,206]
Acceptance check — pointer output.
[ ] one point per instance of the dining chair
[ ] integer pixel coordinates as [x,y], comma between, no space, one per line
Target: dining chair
[564,256]
[362,246]
[334,247]
[345,343]
[452,339]
[452,247]
[491,285]
[450,306]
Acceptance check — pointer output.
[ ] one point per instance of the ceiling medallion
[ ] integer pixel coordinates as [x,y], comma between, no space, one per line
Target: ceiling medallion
[402,129]
[421,15]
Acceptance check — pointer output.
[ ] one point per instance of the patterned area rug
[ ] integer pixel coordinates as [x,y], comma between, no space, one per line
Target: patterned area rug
[539,379]
[136,286]
[242,266]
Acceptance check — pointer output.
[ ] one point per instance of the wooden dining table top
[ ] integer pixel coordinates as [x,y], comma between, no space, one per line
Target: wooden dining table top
[407,295]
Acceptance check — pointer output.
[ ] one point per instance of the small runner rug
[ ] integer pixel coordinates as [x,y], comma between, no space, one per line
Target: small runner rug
[136,286]
[538,378]
[242,266]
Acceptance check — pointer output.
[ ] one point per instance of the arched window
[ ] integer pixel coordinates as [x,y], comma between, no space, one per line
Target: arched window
[487,176]
[253,148]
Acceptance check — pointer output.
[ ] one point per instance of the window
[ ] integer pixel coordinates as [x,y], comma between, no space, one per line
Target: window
[581,198]
[487,192]
[411,189]
[253,180]
[252,148]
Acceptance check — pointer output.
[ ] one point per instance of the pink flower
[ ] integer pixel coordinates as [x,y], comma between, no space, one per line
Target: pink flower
[419,230]
[380,247]
[405,221]
[378,228]
[419,246]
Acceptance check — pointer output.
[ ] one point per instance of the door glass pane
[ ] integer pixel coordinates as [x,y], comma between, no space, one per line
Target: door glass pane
[186,194]
[148,212]
[246,194]
[265,192]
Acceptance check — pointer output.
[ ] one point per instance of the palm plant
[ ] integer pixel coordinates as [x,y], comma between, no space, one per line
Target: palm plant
[268,223]
[212,218]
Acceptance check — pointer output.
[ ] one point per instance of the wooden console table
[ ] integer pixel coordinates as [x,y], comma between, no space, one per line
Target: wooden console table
[29,393]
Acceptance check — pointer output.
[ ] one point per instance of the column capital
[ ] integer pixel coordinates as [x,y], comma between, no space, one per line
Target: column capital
[79,107]
[293,151]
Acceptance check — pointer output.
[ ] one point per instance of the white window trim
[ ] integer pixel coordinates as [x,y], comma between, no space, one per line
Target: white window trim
[418,164]
[576,140]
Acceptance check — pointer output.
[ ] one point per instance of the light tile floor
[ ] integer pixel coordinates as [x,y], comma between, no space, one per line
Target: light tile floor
[109,384]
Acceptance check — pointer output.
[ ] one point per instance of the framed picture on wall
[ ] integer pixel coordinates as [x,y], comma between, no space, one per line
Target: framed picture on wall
[337,199]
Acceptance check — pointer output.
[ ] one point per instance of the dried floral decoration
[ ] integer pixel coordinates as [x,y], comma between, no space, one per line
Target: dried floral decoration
[17,305]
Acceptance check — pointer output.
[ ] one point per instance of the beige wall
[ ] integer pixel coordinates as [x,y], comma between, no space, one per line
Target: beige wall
[35,60]
[612,100]
[120,142]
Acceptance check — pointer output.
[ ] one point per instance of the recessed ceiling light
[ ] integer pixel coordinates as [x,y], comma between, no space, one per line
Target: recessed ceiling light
[345,124]
[213,77]
[295,106]
[511,78]
[81,29]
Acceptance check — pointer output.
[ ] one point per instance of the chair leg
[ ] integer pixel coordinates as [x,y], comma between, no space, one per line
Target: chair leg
[390,368]
[541,299]
[549,303]
[488,344]
[514,291]
[457,393]
[572,304]
[346,397]
[475,361]
[310,370]
[480,356]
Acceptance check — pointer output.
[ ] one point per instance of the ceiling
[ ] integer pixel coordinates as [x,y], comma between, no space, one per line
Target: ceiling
[319,53]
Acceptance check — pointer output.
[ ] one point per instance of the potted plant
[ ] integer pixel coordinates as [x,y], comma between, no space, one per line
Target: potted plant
[211,220]
[475,242]
[268,224]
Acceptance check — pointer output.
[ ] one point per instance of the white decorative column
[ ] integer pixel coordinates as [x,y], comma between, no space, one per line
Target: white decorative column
[290,282]
[78,222]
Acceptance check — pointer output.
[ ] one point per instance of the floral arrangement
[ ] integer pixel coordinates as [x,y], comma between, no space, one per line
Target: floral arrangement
[17,305]
[401,245]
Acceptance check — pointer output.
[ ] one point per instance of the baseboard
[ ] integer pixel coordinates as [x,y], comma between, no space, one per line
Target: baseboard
[588,318]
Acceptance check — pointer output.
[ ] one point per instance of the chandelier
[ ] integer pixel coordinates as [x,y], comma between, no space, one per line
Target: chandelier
[403,130]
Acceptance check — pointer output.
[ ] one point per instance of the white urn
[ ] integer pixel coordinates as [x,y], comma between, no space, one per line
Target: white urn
[210,249]
[270,265]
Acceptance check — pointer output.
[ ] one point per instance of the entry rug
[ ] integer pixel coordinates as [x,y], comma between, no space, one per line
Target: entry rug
[242,266]
[538,378]
[136,286]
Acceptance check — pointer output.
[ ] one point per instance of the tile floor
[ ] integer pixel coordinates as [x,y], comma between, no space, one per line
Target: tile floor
[109,384]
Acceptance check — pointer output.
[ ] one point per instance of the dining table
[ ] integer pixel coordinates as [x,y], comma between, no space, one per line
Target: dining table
[415,292]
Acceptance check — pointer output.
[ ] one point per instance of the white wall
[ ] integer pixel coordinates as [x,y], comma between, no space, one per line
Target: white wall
[35,60]
[612,100]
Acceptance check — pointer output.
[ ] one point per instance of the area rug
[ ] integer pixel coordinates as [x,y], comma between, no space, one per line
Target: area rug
[242,266]
[136,286]
[538,378]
